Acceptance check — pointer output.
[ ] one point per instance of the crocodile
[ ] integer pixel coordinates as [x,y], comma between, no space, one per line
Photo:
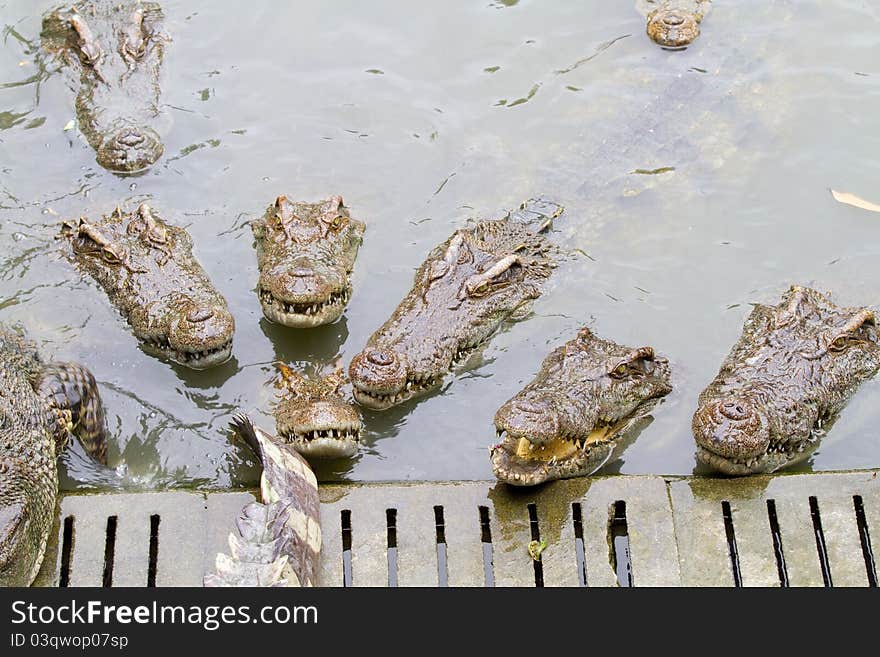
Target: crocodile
[313,416]
[111,54]
[277,541]
[482,276]
[147,268]
[41,404]
[784,382]
[567,422]
[674,23]
[306,254]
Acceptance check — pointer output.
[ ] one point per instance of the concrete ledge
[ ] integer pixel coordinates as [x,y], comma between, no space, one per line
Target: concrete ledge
[599,531]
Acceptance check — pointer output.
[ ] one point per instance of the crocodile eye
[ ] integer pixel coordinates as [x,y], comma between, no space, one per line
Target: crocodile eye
[112,256]
[338,222]
[841,344]
[480,289]
[620,371]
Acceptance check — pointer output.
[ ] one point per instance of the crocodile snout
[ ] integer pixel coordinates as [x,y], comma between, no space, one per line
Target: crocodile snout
[298,284]
[378,371]
[130,149]
[534,418]
[201,335]
[673,28]
[733,427]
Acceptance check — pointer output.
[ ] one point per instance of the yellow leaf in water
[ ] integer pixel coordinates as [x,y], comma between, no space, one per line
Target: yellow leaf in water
[852,199]
[69,125]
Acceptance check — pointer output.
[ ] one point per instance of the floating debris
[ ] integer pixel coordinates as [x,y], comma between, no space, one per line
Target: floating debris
[855,201]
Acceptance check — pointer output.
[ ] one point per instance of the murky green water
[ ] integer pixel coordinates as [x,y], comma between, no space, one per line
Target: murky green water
[420,117]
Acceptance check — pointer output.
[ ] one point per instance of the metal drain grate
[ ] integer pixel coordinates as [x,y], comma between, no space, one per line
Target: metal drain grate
[793,530]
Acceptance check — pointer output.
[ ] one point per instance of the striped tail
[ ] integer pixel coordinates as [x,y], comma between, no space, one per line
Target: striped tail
[71,395]
[277,542]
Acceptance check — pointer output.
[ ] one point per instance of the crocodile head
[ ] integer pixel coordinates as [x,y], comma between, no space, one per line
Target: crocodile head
[567,421]
[313,416]
[479,278]
[113,54]
[676,23]
[792,370]
[148,270]
[306,254]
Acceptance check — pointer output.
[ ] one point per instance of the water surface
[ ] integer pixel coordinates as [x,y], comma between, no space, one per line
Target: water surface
[422,117]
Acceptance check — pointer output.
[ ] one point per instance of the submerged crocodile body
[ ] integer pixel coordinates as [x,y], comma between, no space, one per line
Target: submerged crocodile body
[147,268]
[674,23]
[41,404]
[788,376]
[568,421]
[306,254]
[277,541]
[112,55]
[479,278]
[313,416]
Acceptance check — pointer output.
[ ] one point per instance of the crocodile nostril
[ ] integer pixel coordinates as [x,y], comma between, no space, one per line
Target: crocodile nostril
[381,358]
[735,410]
[197,315]
[302,272]
[673,19]
[131,139]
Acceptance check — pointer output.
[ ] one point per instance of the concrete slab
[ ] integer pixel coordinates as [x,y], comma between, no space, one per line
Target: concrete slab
[675,531]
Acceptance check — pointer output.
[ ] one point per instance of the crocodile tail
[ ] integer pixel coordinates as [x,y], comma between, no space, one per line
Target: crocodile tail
[276,542]
[537,213]
[258,552]
[242,426]
[74,405]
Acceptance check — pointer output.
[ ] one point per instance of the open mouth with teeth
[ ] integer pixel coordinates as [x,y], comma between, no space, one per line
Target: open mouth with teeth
[197,360]
[778,455]
[414,387]
[305,314]
[519,461]
[325,442]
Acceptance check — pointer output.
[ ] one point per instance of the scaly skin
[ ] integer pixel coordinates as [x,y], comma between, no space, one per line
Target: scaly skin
[571,417]
[793,369]
[112,55]
[40,405]
[278,541]
[147,268]
[306,253]
[313,416]
[478,279]
[674,23]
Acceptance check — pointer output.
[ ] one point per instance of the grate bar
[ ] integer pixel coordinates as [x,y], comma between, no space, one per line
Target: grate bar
[754,540]
[513,565]
[132,549]
[464,545]
[798,539]
[369,561]
[417,553]
[842,541]
[559,561]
